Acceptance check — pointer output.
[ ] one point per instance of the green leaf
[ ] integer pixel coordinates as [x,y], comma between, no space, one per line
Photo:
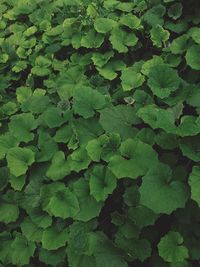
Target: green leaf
[104,25]
[79,160]
[121,40]
[135,249]
[54,238]
[7,141]
[21,126]
[190,147]
[153,16]
[123,6]
[111,147]
[109,256]
[36,104]
[158,185]
[119,119]
[163,80]
[47,147]
[95,147]
[40,218]
[17,183]
[142,216]
[31,231]
[193,97]
[8,213]
[131,79]
[194,182]
[4,177]
[194,33]
[171,248]
[130,163]
[189,126]
[159,35]
[92,39]
[131,21]
[63,134]
[81,245]
[59,167]
[102,182]
[154,117]
[55,117]
[19,159]
[100,60]
[5,245]
[87,101]
[192,57]
[175,11]
[109,70]
[22,250]
[42,66]
[63,204]
[9,108]
[52,258]
[146,67]
[89,207]
[179,45]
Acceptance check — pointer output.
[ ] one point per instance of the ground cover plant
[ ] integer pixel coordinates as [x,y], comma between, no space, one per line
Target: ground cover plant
[100,133]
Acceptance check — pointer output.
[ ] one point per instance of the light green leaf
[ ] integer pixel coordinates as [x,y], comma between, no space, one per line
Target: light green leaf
[179,45]
[131,21]
[109,70]
[194,32]
[7,141]
[59,167]
[159,35]
[95,147]
[19,159]
[171,248]
[92,39]
[146,67]
[121,40]
[192,57]
[131,79]
[79,160]
[100,60]
[17,183]
[104,25]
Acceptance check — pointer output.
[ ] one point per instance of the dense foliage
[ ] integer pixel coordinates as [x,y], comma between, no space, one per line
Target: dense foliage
[100,133]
